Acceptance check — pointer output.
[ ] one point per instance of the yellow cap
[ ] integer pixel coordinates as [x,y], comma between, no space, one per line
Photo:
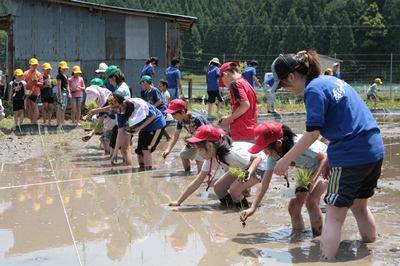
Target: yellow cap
[33,61]
[46,66]
[63,65]
[378,80]
[18,72]
[76,69]
[329,71]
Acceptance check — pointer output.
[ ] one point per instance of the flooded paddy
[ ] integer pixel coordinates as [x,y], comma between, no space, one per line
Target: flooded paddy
[62,203]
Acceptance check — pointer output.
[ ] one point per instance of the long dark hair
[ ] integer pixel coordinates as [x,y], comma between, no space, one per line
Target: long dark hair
[287,141]
[221,148]
[119,77]
[130,107]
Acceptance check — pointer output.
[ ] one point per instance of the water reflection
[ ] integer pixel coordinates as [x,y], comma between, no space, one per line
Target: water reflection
[74,207]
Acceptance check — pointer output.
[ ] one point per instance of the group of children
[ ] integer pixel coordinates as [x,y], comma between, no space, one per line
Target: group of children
[249,154]
[26,88]
[345,123]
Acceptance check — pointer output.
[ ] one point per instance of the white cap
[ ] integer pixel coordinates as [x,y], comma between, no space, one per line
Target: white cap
[102,68]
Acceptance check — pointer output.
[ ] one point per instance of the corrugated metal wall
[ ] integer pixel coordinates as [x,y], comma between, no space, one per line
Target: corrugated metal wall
[55,32]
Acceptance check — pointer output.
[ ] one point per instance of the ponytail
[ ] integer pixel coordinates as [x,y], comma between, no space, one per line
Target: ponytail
[287,141]
[309,64]
[222,148]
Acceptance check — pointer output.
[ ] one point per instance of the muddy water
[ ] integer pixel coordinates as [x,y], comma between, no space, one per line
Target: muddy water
[70,207]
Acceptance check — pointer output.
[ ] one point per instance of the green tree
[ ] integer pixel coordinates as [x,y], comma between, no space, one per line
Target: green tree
[392,15]
[374,29]
[346,36]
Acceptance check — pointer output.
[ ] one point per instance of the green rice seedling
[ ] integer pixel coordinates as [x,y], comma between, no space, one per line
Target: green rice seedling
[92,105]
[238,173]
[303,181]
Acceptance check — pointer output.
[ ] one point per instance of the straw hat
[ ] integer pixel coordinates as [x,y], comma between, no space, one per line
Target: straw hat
[215,60]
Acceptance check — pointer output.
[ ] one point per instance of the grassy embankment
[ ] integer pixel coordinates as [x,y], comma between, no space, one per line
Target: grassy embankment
[286,103]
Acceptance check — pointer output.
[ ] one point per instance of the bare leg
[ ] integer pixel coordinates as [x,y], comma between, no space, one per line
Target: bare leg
[49,112]
[219,107]
[16,117]
[44,112]
[78,112]
[236,188]
[21,116]
[29,109]
[73,112]
[186,165]
[209,114]
[58,115]
[294,209]
[222,185]
[312,204]
[126,149]
[330,239]
[148,162]
[35,112]
[365,220]
[199,165]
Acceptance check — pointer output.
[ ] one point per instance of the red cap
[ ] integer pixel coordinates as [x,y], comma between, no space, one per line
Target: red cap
[205,132]
[266,133]
[175,106]
[226,66]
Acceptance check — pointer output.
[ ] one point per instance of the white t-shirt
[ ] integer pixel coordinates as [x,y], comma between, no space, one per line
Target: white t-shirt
[165,96]
[305,160]
[107,122]
[239,157]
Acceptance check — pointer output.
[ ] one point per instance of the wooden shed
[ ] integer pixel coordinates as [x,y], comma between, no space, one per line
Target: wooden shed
[86,34]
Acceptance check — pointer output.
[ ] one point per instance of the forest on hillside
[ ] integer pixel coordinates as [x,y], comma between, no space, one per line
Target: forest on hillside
[365,34]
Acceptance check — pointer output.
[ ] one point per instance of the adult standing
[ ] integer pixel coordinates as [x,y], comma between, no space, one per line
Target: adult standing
[250,73]
[148,70]
[336,70]
[269,94]
[243,120]
[213,90]
[34,81]
[337,112]
[173,76]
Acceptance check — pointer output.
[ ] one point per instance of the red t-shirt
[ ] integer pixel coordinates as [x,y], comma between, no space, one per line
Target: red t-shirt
[243,127]
[30,85]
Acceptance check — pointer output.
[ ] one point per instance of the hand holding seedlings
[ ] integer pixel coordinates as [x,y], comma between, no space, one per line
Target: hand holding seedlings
[238,173]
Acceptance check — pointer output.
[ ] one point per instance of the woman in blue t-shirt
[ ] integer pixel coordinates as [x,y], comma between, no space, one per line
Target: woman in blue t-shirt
[355,151]
[134,115]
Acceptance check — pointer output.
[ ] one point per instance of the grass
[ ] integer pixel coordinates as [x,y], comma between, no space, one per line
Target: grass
[283,105]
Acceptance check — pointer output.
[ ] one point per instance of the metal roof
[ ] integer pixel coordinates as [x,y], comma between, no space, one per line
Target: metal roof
[185,22]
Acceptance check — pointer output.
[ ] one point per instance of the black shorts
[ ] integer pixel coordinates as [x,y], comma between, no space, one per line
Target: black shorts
[215,94]
[349,183]
[148,140]
[34,98]
[47,99]
[113,138]
[18,105]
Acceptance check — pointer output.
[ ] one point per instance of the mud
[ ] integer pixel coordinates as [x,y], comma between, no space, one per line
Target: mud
[62,203]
